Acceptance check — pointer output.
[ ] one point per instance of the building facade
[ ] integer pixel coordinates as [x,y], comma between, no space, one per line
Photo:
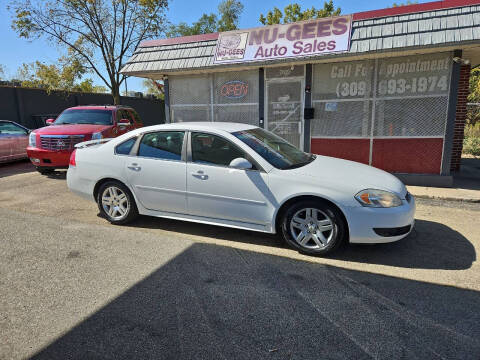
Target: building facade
[392,94]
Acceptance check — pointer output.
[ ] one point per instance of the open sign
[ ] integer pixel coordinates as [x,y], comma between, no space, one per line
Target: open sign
[235,89]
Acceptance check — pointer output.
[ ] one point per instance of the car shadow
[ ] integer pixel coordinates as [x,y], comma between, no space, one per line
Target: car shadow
[211,231]
[57,175]
[16,167]
[431,245]
[216,302]
[469,175]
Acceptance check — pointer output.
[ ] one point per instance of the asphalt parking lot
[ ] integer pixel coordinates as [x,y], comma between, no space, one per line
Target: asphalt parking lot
[72,286]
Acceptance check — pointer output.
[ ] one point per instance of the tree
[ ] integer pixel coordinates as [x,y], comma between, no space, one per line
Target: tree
[405,4]
[229,12]
[205,25]
[101,33]
[294,12]
[473,112]
[51,77]
[153,87]
[2,72]
[66,75]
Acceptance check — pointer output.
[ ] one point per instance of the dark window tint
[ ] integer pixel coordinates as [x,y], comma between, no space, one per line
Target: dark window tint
[274,149]
[162,145]
[123,114]
[85,116]
[125,147]
[212,149]
[135,117]
[8,128]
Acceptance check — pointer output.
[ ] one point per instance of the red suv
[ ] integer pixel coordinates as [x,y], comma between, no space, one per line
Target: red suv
[50,147]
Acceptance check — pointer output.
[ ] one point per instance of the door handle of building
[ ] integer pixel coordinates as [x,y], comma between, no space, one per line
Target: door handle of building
[300,128]
[200,175]
[135,167]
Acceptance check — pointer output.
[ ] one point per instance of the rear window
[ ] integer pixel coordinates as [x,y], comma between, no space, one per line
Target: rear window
[125,147]
[166,145]
[85,116]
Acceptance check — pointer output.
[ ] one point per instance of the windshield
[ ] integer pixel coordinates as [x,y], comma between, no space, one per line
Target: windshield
[274,149]
[85,116]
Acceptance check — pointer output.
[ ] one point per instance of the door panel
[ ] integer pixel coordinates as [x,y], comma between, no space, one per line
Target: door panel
[158,172]
[6,146]
[218,191]
[226,193]
[285,110]
[21,143]
[159,184]
[12,138]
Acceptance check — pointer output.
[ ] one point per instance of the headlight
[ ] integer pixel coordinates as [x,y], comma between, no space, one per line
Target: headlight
[32,140]
[378,198]
[97,135]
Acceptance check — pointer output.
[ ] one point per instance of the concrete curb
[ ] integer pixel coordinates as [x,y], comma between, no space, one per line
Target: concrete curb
[447,198]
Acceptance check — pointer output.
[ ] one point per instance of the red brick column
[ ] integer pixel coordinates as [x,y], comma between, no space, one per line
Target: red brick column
[460,116]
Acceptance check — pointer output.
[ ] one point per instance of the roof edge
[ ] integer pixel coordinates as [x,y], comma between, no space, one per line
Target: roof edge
[413,8]
[364,15]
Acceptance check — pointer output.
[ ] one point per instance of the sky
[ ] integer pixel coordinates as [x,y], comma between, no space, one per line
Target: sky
[18,50]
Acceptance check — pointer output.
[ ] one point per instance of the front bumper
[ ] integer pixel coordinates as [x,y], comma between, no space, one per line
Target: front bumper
[363,220]
[49,158]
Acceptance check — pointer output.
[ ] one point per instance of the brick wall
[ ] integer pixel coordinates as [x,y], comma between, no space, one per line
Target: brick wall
[460,116]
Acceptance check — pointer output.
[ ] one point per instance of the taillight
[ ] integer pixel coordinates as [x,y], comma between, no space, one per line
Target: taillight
[72,159]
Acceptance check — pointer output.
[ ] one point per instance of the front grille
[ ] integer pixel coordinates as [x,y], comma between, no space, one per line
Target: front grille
[386,232]
[60,142]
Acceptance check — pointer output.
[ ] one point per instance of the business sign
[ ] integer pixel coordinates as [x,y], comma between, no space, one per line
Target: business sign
[234,89]
[306,38]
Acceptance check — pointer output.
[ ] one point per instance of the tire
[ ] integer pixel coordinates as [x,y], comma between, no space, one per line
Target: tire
[299,218]
[116,203]
[45,170]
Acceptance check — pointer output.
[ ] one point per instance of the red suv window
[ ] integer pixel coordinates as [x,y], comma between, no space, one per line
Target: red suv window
[135,117]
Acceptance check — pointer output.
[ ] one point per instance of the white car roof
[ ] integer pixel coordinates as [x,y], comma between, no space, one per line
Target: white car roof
[199,126]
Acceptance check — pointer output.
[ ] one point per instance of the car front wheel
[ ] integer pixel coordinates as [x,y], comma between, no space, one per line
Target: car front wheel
[116,203]
[313,227]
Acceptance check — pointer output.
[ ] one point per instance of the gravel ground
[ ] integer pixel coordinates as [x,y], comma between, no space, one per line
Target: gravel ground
[73,286]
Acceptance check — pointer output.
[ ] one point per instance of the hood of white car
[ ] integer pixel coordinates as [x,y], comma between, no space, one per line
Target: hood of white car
[350,175]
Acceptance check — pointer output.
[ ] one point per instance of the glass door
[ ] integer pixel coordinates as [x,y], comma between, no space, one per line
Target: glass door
[285,109]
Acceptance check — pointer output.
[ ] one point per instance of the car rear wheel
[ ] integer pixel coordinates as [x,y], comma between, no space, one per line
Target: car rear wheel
[313,227]
[116,203]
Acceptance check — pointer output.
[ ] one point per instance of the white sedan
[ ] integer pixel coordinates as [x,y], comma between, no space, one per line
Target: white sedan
[241,176]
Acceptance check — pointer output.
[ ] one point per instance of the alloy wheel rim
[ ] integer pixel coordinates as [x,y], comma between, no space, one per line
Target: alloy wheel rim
[312,229]
[115,203]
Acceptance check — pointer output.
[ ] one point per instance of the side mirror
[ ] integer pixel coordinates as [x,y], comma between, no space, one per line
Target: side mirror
[49,122]
[124,122]
[241,163]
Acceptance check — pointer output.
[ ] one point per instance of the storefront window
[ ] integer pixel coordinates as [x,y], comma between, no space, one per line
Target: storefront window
[342,98]
[226,96]
[412,95]
[408,97]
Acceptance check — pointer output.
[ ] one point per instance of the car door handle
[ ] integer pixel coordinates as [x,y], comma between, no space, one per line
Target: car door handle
[135,167]
[200,175]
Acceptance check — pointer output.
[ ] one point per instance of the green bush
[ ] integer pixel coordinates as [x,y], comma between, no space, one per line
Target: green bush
[471,145]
